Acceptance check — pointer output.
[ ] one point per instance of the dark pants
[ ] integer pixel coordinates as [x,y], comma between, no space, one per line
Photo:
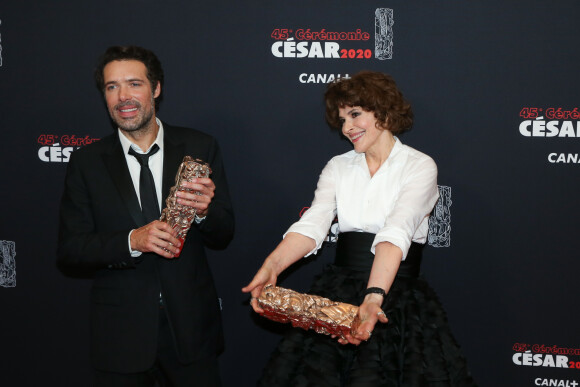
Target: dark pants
[167,370]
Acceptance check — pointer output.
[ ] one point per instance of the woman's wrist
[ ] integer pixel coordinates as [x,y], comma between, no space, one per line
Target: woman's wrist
[375,290]
[374,295]
[274,264]
[374,298]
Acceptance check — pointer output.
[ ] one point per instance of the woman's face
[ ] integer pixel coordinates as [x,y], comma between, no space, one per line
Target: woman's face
[360,127]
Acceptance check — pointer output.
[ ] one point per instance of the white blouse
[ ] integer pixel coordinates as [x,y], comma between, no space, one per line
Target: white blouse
[394,204]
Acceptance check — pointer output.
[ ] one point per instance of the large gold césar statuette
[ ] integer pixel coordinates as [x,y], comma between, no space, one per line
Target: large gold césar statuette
[178,216]
[308,311]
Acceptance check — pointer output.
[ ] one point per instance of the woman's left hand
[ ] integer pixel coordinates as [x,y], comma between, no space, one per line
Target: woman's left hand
[369,313]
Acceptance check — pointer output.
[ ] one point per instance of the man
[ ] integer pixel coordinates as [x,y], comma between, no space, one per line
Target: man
[155,317]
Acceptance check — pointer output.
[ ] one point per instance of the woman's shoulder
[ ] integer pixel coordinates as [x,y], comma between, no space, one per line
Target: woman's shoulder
[414,161]
[347,157]
[415,155]
[344,160]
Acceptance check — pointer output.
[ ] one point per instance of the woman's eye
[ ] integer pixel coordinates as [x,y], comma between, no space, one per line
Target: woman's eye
[355,114]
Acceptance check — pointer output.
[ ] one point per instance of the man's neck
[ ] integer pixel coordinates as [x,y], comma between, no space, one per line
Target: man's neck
[143,137]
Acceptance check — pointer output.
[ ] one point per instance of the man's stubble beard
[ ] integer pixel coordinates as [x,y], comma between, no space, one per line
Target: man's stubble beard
[142,125]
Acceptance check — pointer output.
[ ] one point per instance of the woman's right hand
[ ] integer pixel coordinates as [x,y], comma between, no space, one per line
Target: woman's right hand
[265,276]
[293,247]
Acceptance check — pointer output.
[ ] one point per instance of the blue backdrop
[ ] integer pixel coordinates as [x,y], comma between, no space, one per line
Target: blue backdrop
[495,96]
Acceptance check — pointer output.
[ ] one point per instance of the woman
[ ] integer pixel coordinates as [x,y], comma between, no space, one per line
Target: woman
[382,193]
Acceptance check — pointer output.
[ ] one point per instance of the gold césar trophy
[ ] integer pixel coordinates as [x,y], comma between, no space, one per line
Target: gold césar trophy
[178,216]
[308,311]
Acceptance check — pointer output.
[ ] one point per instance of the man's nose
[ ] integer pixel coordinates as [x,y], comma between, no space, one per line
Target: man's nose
[124,93]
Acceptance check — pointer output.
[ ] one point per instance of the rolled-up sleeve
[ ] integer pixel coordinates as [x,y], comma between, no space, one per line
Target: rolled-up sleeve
[408,220]
[316,221]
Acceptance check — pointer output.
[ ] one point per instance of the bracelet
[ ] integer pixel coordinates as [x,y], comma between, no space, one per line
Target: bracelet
[375,290]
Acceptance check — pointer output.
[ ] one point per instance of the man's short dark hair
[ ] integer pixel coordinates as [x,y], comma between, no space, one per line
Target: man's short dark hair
[147,57]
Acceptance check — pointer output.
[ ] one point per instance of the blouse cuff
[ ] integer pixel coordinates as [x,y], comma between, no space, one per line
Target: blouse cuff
[401,241]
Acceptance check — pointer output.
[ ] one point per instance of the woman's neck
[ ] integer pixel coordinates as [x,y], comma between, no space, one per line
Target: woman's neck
[380,152]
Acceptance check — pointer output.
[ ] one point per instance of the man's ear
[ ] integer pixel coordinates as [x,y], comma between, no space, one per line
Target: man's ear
[157,91]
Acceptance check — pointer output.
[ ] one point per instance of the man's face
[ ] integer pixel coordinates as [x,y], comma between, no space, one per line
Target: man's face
[130,99]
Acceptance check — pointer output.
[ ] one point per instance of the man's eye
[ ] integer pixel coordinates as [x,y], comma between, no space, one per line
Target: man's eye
[135,84]
[110,87]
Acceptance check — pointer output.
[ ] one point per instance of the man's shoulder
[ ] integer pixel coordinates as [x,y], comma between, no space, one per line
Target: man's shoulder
[186,133]
[96,148]
[191,138]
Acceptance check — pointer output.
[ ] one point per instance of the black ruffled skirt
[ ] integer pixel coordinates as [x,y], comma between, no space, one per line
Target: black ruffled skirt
[415,348]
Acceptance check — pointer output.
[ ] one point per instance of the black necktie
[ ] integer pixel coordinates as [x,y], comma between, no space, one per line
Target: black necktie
[147,192]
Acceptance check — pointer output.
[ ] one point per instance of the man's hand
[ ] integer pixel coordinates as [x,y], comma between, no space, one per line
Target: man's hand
[156,237]
[204,192]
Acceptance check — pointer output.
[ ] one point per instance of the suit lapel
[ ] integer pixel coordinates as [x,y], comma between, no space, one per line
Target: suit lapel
[174,151]
[117,167]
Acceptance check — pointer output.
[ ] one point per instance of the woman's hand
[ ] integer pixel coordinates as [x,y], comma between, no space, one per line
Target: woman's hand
[385,266]
[291,249]
[369,313]
[265,276]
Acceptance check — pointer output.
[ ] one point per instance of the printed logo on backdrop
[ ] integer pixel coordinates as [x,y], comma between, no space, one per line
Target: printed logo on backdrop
[384,33]
[57,148]
[544,356]
[0,45]
[555,382]
[552,122]
[7,264]
[439,222]
[374,40]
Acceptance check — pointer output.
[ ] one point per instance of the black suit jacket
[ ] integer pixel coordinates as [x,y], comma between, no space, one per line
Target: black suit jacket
[99,207]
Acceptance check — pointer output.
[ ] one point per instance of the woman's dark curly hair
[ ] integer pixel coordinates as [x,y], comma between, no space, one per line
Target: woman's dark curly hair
[374,92]
[147,57]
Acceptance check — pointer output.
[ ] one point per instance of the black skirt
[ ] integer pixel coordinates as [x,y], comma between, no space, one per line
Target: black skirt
[415,348]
